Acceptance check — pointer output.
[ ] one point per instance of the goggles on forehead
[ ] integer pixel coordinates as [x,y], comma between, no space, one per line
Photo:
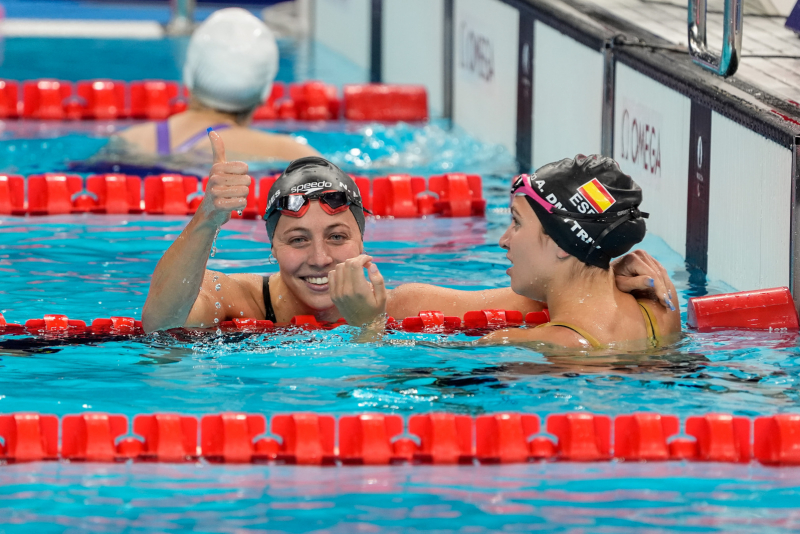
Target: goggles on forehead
[296,205]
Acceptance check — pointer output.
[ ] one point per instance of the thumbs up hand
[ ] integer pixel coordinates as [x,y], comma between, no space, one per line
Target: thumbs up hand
[228,185]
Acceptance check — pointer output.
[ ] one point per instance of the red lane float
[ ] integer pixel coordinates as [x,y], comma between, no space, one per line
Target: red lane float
[503,438]
[367,439]
[307,438]
[430,320]
[91,436]
[52,194]
[12,194]
[445,438]
[385,102]
[643,436]
[55,324]
[174,194]
[380,439]
[167,437]
[157,99]
[269,109]
[425,321]
[396,196]
[492,318]
[582,437]
[116,193]
[763,309]
[102,99]
[720,437]
[228,437]
[117,325]
[29,437]
[49,99]
[460,195]
[777,439]
[10,328]
[9,99]
[168,194]
[314,101]
[45,99]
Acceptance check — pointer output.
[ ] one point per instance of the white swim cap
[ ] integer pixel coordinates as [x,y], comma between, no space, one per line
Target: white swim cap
[231,61]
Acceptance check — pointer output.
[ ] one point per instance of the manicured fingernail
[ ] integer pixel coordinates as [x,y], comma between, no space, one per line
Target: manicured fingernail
[669,292]
[651,283]
[210,129]
[671,307]
[373,268]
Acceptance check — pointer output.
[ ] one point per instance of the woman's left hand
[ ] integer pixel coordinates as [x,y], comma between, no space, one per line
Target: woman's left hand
[639,271]
[360,301]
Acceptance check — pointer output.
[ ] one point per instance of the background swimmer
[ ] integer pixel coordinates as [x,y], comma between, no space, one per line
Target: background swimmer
[317,241]
[568,220]
[230,65]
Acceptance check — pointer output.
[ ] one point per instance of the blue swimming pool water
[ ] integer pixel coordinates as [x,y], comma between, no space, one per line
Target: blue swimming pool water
[91,266]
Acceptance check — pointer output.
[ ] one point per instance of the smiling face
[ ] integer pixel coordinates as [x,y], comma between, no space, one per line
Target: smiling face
[533,255]
[308,247]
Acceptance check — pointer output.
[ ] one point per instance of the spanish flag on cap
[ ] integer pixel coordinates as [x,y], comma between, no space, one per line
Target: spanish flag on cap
[597,195]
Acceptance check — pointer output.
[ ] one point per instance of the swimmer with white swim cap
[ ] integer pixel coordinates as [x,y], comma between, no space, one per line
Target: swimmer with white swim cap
[315,223]
[231,63]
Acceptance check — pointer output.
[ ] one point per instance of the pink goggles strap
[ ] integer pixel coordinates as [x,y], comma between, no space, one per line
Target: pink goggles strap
[528,191]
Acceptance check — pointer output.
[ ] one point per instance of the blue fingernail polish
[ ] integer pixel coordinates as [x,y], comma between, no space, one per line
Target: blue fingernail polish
[671,307]
[210,130]
[652,282]
[669,292]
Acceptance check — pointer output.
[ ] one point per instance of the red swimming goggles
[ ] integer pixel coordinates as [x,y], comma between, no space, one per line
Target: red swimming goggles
[296,204]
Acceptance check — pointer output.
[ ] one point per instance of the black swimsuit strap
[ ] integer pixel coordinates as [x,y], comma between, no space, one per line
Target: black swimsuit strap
[270,312]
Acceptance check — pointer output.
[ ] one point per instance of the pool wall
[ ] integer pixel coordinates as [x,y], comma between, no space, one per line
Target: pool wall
[548,80]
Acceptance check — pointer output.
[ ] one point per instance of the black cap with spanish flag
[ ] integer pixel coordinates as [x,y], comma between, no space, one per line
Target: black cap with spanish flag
[588,206]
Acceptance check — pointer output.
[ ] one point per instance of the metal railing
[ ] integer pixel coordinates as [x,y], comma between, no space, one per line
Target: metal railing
[727,62]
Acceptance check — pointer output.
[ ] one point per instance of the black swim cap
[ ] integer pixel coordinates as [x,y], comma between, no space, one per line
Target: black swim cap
[588,206]
[308,176]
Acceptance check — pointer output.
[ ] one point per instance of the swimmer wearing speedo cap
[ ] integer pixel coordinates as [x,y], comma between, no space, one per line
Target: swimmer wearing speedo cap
[315,222]
[231,62]
[569,219]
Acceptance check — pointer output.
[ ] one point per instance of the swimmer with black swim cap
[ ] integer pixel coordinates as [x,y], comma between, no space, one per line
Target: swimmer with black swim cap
[308,179]
[569,219]
[315,224]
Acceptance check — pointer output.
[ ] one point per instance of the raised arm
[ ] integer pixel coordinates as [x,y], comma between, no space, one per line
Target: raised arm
[181,272]
[361,301]
[410,299]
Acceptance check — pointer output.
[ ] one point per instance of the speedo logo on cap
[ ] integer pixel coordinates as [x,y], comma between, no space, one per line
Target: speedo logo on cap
[597,195]
[310,187]
[273,198]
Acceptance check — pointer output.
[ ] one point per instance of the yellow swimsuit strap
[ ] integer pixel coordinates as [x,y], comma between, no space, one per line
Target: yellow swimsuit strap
[578,330]
[650,322]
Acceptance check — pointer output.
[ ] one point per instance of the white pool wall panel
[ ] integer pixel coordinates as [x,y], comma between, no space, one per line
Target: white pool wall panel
[567,97]
[344,26]
[749,208]
[651,144]
[413,46]
[486,48]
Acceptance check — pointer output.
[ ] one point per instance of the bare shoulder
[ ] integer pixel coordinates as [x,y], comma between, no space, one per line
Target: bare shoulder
[248,282]
[250,143]
[553,335]
[142,136]
[669,321]
[240,295]
[409,299]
